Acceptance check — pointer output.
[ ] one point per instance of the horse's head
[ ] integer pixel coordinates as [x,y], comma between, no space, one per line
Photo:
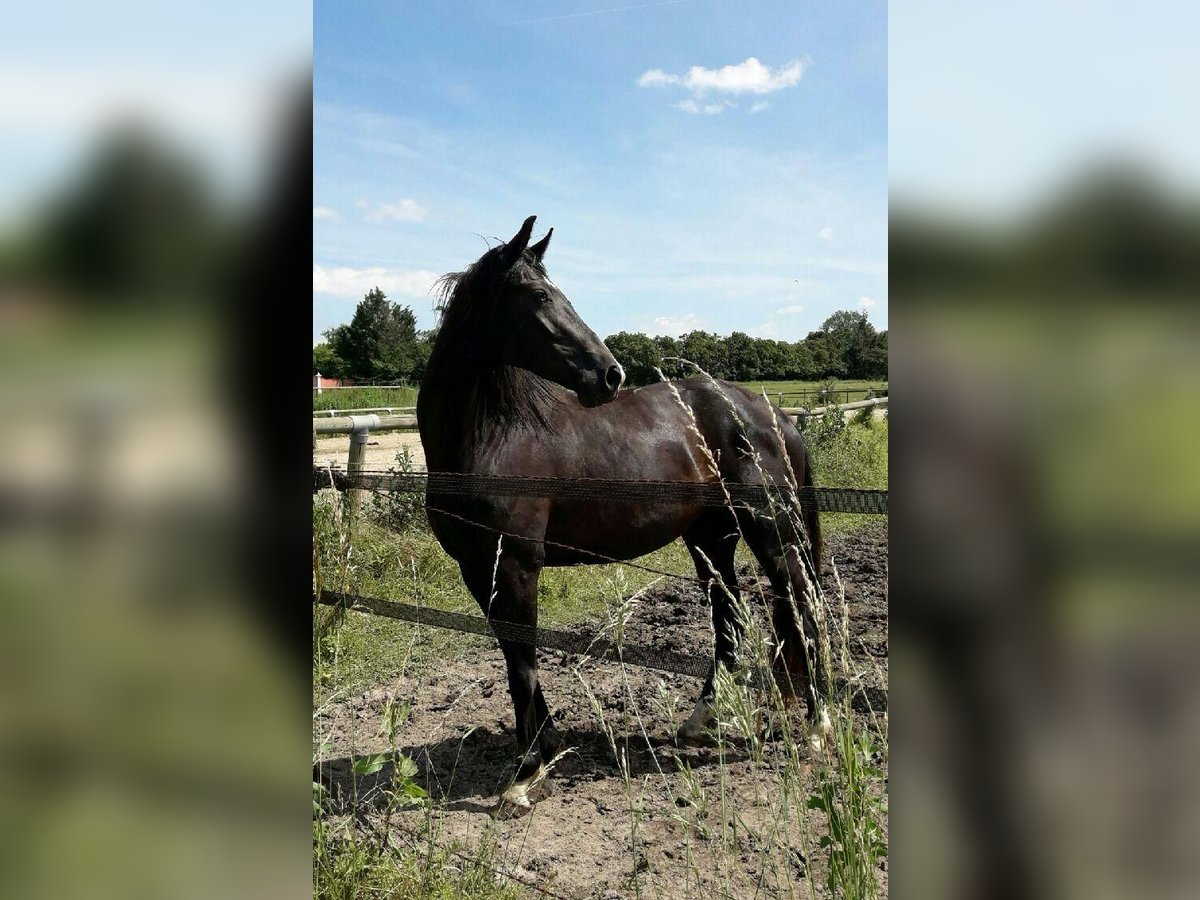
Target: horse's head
[534,326]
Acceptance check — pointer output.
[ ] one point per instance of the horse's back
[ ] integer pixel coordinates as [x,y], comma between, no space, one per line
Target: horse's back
[745,427]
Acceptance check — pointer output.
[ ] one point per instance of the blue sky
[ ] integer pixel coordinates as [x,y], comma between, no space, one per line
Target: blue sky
[704,164]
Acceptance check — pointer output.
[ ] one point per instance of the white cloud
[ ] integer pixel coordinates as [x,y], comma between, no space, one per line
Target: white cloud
[789,310]
[825,234]
[708,109]
[866,301]
[656,77]
[677,324]
[749,77]
[343,281]
[326,214]
[766,330]
[404,211]
[759,106]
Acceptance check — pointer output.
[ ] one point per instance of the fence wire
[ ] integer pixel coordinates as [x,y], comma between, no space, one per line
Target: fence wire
[711,493]
[599,646]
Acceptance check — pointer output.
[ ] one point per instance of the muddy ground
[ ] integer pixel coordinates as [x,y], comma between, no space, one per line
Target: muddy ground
[579,841]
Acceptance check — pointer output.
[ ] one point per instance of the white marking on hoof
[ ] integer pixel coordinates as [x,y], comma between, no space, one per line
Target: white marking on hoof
[694,729]
[822,731]
[521,795]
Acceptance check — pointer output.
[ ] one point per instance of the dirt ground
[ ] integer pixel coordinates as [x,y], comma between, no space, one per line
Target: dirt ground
[381,450]
[579,840]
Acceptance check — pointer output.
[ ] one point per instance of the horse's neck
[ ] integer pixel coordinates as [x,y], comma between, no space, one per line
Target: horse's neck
[451,402]
[446,412]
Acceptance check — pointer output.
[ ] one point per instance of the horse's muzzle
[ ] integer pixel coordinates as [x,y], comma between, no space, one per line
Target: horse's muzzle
[604,388]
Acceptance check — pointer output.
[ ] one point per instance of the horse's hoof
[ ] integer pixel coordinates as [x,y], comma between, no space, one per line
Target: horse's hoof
[820,731]
[520,797]
[695,731]
[512,807]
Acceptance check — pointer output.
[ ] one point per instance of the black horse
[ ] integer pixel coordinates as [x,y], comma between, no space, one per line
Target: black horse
[517,384]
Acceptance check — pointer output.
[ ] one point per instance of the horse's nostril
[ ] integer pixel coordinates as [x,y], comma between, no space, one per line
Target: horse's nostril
[613,377]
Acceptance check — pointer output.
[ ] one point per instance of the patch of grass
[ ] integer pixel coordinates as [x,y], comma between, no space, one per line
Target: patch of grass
[847,454]
[364,557]
[859,387]
[349,866]
[364,397]
[575,593]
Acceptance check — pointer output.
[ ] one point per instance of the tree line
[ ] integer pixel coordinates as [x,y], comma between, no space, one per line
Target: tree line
[846,346]
[382,343]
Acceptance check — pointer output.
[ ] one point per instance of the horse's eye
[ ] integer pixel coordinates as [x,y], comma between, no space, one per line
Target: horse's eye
[542,296]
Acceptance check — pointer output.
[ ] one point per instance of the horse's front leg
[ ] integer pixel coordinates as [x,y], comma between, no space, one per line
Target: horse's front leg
[508,596]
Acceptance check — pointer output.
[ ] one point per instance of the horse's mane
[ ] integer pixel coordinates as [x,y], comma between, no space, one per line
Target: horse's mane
[502,396]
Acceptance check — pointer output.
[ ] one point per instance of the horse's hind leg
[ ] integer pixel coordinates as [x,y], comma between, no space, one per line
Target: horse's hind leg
[785,556]
[712,543]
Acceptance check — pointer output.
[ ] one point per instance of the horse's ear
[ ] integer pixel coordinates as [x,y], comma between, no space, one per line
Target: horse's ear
[514,248]
[539,249]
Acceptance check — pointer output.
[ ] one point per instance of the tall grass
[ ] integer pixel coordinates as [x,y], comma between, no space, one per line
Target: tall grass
[364,397]
[848,454]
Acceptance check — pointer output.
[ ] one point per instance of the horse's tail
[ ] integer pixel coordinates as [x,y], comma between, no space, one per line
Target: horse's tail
[807,567]
[812,521]
[802,469]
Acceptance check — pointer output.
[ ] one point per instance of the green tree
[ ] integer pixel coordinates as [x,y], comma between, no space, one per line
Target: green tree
[856,343]
[775,359]
[668,350]
[380,342]
[637,354]
[800,363]
[826,357]
[328,363]
[424,347]
[705,350]
[742,354]
[874,359]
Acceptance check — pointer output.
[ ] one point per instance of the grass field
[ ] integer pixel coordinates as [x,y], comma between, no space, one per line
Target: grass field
[796,390]
[389,552]
[363,398]
[366,397]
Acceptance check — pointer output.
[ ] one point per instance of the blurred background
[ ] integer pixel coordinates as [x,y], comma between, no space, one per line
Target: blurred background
[1045,278]
[152,736]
